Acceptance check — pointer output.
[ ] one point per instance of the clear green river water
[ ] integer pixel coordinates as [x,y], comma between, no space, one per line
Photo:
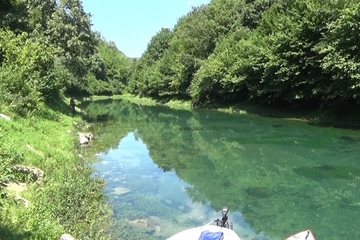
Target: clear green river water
[167,170]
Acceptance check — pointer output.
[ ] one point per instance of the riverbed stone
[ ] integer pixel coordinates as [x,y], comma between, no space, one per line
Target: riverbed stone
[181,208]
[146,225]
[121,190]
[118,179]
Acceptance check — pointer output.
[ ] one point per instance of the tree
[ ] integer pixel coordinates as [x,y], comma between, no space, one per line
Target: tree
[221,78]
[14,15]
[151,58]
[69,28]
[340,59]
[27,72]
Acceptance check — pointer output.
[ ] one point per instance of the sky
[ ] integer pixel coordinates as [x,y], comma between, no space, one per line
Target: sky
[132,23]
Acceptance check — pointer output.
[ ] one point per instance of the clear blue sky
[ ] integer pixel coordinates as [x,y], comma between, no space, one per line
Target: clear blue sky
[132,23]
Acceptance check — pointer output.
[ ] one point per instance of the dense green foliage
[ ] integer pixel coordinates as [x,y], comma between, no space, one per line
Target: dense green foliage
[111,70]
[294,53]
[48,47]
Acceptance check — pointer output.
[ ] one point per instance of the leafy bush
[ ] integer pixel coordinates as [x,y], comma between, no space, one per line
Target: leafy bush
[27,76]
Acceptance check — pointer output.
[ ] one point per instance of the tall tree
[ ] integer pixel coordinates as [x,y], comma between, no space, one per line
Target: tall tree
[340,56]
[41,13]
[69,28]
[158,46]
[27,72]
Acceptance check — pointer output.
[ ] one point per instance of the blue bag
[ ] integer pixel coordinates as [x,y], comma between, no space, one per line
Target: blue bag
[207,235]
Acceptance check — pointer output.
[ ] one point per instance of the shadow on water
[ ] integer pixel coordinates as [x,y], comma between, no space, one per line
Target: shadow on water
[351,139]
[256,166]
[328,172]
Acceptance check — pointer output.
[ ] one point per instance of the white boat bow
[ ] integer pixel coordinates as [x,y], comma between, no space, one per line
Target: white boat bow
[223,230]
[195,233]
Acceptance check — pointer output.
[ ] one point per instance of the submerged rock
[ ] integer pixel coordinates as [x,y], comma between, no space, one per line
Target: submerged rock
[121,190]
[181,208]
[117,179]
[149,225]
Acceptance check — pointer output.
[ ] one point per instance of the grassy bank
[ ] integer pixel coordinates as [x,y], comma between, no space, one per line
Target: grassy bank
[67,199]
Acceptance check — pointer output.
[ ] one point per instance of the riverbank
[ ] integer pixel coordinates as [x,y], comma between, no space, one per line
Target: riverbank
[345,118]
[66,198]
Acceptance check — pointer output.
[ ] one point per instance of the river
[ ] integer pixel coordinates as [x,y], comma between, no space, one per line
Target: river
[167,170]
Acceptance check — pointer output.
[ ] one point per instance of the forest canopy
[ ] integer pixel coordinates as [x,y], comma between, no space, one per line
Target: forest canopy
[293,52]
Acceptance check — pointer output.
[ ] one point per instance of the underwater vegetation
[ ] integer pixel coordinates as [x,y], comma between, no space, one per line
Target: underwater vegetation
[259,192]
[350,139]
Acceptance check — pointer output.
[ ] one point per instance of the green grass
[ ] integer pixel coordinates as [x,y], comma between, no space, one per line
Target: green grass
[69,199]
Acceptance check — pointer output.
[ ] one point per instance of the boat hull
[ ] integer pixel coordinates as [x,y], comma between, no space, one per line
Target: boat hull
[194,233]
[304,235]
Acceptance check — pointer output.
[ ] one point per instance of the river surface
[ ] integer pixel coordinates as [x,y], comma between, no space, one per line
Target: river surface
[167,170]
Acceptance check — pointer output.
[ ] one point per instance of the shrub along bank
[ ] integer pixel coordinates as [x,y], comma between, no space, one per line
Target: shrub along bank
[67,198]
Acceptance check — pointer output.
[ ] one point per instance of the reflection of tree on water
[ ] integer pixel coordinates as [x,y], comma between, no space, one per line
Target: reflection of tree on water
[268,171]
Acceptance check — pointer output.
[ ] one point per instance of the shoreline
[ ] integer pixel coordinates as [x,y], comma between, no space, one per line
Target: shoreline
[346,120]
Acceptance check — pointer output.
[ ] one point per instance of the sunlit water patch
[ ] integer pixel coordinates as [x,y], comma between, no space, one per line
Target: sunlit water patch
[152,203]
